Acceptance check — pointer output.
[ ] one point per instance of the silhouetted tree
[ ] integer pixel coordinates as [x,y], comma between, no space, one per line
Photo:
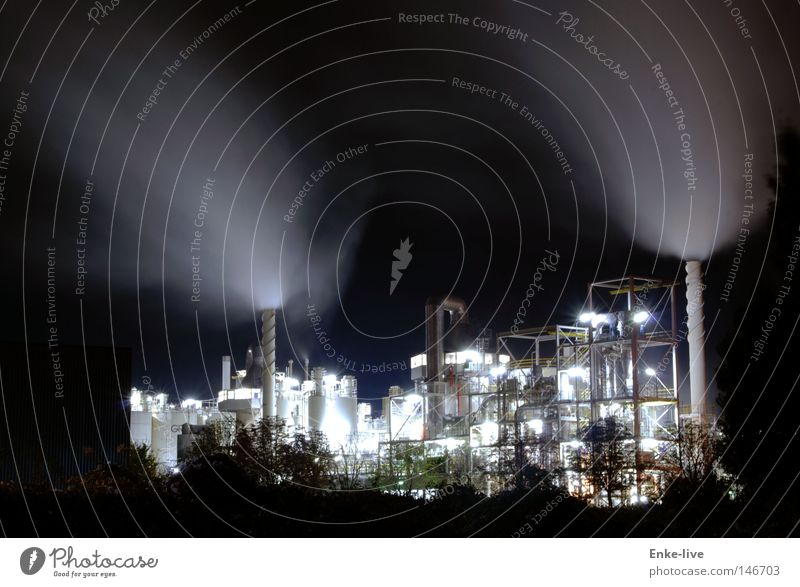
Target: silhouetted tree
[406,467]
[698,447]
[268,452]
[606,457]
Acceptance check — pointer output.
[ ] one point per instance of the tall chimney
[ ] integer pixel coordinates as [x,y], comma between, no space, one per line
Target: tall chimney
[435,330]
[289,368]
[696,337]
[226,372]
[268,372]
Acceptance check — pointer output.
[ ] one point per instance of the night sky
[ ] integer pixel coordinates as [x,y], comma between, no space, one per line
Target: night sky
[180,166]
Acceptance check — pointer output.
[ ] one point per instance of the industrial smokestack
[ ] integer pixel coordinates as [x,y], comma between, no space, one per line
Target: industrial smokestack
[435,330]
[289,368]
[268,372]
[696,337]
[226,372]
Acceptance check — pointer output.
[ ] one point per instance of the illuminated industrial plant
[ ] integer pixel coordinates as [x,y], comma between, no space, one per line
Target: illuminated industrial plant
[478,412]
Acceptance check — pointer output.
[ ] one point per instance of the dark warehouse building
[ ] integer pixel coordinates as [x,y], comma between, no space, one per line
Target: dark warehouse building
[62,410]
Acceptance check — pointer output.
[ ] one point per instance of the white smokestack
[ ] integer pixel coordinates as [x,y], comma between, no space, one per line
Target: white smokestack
[268,372]
[226,372]
[696,336]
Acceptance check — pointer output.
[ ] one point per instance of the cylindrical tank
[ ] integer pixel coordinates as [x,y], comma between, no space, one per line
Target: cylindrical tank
[142,428]
[347,412]
[317,405]
[284,407]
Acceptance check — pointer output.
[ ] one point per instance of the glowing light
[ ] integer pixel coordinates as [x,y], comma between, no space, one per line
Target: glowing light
[291,382]
[488,432]
[451,443]
[650,372]
[336,427]
[411,404]
[577,372]
[597,319]
[587,317]
[497,371]
[536,425]
[574,444]
[188,404]
[176,470]
[650,443]
[329,380]
[504,359]
[136,399]
[640,317]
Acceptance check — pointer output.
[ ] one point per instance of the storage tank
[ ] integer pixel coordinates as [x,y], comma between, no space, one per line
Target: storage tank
[142,428]
[284,407]
[347,414]
[317,409]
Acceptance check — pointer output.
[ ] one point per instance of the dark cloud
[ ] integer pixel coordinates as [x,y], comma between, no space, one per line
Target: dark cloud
[561,149]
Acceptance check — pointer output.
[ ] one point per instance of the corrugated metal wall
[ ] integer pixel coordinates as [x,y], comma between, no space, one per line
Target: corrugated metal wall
[50,432]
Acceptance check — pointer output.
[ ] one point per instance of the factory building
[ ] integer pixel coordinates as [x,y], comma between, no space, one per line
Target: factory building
[485,408]
[62,410]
